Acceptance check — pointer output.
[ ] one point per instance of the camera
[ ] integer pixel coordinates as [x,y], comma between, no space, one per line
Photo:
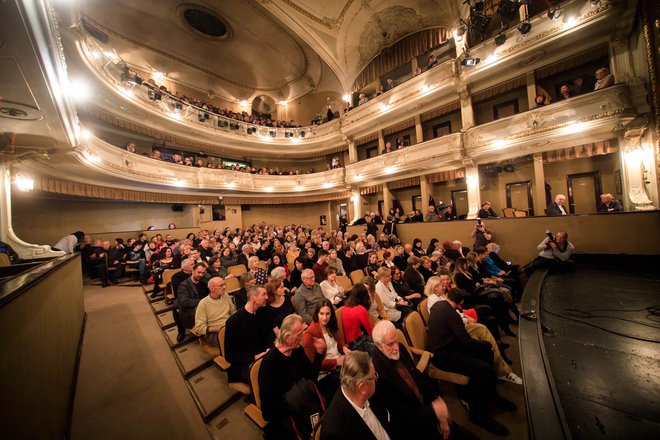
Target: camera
[550,236]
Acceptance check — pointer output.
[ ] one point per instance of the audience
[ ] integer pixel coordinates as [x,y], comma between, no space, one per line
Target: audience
[211,314]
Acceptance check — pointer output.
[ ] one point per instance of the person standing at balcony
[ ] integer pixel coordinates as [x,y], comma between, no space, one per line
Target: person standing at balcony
[604,78]
[388,147]
[432,62]
[557,208]
[486,211]
[564,92]
[363,99]
[431,215]
[390,84]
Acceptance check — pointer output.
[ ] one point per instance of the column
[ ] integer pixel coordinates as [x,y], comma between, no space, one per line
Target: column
[539,185]
[467,114]
[381,142]
[387,200]
[413,65]
[637,169]
[426,190]
[473,193]
[419,132]
[356,198]
[352,149]
[531,90]
[7,234]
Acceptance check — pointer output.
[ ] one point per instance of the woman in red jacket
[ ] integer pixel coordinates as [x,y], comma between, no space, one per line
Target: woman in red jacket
[324,326]
[355,319]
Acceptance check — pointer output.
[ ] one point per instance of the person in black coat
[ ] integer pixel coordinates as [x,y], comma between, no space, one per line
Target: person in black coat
[284,365]
[341,420]
[418,411]
[189,293]
[454,350]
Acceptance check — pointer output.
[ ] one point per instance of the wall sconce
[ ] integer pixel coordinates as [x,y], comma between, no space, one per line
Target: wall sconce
[23,183]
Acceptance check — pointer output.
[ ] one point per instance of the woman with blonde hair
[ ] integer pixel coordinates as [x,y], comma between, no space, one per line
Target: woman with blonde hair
[376,310]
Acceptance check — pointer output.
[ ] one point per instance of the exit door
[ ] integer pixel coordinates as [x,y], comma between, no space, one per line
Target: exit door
[460,201]
[583,192]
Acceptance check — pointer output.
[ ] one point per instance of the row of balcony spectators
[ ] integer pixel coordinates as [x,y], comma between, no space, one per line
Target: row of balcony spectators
[191,161]
[157,92]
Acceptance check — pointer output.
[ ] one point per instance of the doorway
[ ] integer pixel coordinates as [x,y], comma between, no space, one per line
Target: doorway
[519,196]
[583,192]
[460,201]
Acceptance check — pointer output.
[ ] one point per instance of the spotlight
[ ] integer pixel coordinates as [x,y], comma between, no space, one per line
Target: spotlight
[469,61]
[500,39]
[525,27]
[555,12]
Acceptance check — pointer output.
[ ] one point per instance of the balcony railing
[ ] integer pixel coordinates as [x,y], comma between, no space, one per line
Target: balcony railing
[120,163]
[135,88]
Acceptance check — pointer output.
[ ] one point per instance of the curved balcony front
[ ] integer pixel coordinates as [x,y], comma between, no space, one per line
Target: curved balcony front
[186,120]
[112,161]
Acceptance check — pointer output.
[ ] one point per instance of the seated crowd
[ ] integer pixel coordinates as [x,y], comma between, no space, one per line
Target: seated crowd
[182,159]
[157,93]
[298,309]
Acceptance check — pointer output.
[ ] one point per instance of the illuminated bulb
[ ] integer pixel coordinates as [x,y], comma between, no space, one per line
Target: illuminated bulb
[570,22]
[283,103]
[346,98]
[79,90]
[500,143]
[426,89]
[390,170]
[179,182]
[327,185]
[576,127]
[358,177]
[268,189]
[243,103]
[158,76]
[85,134]
[299,188]
[24,184]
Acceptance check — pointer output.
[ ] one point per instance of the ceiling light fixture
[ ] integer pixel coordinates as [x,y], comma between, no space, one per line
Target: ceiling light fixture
[158,76]
[346,98]
[24,183]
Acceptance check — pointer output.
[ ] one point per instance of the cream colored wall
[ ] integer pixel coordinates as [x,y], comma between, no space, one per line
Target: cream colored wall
[494,187]
[404,196]
[637,233]
[442,191]
[454,118]
[44,221]
[556,172]
[303,110]
[308,213]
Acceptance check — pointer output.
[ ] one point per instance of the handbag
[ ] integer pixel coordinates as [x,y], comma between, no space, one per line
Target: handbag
[306,406]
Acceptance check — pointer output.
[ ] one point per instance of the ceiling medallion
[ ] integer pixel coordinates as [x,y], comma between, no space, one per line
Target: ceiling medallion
[203,21]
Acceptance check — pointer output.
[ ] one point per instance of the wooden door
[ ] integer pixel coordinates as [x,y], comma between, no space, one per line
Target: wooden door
[519,196]
[583,192]
[460,201]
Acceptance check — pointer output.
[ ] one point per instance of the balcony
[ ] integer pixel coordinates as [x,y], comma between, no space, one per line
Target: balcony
[178,118]
[436,155]
[595,116]
[112,161]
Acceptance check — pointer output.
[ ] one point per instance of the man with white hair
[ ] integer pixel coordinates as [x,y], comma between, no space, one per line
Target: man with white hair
[416,408]
[247,252]
[609,204]
[557,208]
[211,314]
[307,295]
[351,415]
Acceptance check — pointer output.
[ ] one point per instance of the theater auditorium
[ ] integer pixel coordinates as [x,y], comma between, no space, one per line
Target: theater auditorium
[302,219]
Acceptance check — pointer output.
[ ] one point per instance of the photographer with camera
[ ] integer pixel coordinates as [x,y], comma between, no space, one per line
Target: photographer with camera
[553,251]
[480,234]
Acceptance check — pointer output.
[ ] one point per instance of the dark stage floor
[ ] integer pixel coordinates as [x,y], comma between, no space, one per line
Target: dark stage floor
[605,353]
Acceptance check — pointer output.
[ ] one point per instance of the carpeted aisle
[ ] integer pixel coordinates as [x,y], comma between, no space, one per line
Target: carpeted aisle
[129,385]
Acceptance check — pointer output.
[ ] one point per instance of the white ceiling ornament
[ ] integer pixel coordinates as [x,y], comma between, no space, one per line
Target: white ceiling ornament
[385,28]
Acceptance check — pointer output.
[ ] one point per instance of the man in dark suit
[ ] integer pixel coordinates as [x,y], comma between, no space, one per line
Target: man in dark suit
[557,208]
[351,416]
[417,411]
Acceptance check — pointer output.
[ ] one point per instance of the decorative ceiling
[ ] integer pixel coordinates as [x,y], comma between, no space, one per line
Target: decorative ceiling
[281,48]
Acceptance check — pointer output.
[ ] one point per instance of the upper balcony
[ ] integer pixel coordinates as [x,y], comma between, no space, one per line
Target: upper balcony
[180,118]
[596,116]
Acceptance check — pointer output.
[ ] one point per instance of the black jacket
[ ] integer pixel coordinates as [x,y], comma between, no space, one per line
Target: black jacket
[342,422]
